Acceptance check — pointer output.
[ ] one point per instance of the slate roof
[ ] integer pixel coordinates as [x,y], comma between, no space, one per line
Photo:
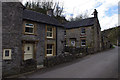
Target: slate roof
[81,23]
[39,17]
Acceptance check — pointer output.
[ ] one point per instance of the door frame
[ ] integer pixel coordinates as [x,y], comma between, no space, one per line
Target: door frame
[34,48]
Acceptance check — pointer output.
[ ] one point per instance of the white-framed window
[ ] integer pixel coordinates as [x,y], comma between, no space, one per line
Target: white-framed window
[82,30]
[83,42]
[49,32]
[49,50]
[29,28]
[6,54]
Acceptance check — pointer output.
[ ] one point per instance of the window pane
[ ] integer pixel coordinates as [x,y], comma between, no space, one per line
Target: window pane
[83,42]
[29,24]
[28,48]
[29,29]
[6,52]
[49,46]
[49,51]
[83,30]
[50,34]
[49,29]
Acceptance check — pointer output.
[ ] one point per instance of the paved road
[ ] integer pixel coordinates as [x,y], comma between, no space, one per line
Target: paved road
[100,65]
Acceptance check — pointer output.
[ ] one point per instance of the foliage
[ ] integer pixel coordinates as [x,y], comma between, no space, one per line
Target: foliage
[43,6]
[112,34]
[79,17]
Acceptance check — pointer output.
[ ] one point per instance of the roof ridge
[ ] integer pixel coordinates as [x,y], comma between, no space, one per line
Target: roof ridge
[30,14]
[81,19]
[38,13]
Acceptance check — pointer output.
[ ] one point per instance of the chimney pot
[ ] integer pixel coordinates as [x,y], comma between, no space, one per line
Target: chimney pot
[95,13]
[50,12]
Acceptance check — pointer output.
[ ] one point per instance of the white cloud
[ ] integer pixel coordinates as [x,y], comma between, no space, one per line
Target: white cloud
[109,22]
[81,6]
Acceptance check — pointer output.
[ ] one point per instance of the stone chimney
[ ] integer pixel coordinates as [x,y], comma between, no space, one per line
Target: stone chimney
[49,12]
[95,13]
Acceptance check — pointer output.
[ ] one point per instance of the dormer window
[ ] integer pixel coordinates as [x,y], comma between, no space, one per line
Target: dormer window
[29,28]
[83,31]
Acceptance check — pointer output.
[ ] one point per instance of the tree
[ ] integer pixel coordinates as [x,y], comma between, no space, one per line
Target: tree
[79,17]
[42,7]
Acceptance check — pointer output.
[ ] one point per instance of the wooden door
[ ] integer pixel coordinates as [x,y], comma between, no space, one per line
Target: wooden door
[28,51]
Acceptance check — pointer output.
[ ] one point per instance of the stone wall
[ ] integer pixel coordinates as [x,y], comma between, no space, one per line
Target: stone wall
[41,44]
[40,37]
[60,40]
[76,32]
[11,36]
[97,36]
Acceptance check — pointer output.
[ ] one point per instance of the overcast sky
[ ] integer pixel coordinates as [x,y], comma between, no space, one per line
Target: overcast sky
[107,10]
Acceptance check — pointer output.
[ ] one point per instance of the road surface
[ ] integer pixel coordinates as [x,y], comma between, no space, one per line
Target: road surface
[100,65]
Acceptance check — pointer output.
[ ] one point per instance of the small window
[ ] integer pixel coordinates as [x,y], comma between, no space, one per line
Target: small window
[65,33]
[29,28]
[83,31]
[83,42]
[7,54]
[49,32]
[49,49]
[28,48]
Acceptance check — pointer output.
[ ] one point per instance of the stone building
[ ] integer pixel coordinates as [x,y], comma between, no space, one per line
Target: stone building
[28,35]
[106,44]
[84,33]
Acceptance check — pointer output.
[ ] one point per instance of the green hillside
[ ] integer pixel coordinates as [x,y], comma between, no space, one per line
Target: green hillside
[112,34]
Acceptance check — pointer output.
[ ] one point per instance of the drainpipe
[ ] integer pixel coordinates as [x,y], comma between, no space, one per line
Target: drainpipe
[56,41]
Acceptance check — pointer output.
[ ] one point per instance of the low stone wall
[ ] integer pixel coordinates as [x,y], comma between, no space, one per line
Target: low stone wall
[25,66]
[74,50]
[28,65]
[62,58]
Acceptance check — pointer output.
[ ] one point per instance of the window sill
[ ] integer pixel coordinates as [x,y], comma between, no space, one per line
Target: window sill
[7,59]
[83,45]
[30,34]
[50,56]
[50,38]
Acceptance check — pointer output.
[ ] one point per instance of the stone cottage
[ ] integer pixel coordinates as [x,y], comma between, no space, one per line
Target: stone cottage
[106,44]
[85,33]
[28,35]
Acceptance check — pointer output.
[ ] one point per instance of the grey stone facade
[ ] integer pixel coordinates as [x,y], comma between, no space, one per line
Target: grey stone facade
[14,38]
[97,36]
[60,40]
[75,33]
[92,33]
[11,36]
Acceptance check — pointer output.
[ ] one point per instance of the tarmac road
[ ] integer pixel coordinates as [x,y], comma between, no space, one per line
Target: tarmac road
[100,65]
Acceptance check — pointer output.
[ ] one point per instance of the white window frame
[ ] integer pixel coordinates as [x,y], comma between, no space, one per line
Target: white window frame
[83,42]
[49,32]
[29,27]
[7,57]
[49,49]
